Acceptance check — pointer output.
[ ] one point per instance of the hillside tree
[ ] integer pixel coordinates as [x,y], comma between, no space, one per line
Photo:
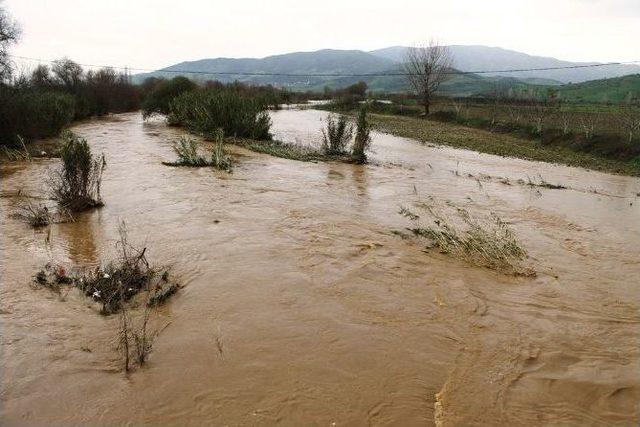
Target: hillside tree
[426,67]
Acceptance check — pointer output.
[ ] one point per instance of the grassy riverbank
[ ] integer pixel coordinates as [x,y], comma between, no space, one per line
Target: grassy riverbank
[484,141]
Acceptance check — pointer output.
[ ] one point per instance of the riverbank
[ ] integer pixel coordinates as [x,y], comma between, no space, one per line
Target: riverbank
[484,141]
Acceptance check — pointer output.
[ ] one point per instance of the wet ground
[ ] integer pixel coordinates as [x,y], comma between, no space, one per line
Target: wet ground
[301,307]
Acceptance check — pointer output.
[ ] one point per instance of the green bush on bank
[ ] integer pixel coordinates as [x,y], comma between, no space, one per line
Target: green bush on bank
[33,114]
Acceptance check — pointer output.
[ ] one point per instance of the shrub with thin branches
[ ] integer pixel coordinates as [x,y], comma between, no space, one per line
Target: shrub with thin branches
[37,216]
[76,185]
[362,140]
[336,136]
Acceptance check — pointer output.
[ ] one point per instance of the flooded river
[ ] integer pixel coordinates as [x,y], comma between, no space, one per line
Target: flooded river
[301,307]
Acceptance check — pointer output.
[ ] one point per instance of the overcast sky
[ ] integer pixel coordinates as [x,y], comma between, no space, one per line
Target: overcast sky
[157,33]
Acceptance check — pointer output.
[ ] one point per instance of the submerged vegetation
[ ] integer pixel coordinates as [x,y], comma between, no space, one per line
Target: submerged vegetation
[336,136]
[76,184]
[41,215]
[116,283]
[187,150]
[118,287]
[362,140]
[482,241]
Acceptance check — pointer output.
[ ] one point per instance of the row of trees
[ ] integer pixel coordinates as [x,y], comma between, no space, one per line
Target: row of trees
[42,103]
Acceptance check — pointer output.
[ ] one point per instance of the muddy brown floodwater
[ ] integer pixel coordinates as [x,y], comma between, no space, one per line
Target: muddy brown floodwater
[300,305]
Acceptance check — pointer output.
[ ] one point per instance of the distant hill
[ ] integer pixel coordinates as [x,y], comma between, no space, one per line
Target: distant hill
[327,61]
[615,90]
[331,61]
[475,58]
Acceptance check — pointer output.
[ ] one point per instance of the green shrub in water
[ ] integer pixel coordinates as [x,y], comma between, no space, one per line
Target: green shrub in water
[76,185]
[336,136]
[237,114]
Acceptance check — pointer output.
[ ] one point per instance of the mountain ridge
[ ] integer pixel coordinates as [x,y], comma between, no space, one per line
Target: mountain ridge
[386,60]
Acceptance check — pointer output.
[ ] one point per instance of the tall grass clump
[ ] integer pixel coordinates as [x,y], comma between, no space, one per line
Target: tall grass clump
[76,185]
[362,140]
[336,136]
[188,152]
[482,241]
[203,111]
[219,158]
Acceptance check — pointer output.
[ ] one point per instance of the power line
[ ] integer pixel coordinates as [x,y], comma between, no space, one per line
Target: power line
[393,74]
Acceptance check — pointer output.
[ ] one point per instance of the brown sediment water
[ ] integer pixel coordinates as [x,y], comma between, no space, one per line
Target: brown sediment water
[301,307]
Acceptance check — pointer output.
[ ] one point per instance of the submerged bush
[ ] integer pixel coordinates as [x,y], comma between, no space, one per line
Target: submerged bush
[336,136]
[219,158]
[187,151]
[36,216]
[76,185]
[362,139]
[117,286]
[117,282]
[486,242]
[238,114]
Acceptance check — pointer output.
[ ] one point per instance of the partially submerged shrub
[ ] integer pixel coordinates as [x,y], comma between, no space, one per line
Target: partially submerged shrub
[220,159]
[36,216]
[362,139]
[187,151]
[41,215]
[76,186]
[336,136]
[116,283]
[482,241]
[115,286]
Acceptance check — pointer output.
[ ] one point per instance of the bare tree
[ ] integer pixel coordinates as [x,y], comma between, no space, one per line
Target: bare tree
[9,34]
[426,67]
[589,122]
[629,119]
[67,73]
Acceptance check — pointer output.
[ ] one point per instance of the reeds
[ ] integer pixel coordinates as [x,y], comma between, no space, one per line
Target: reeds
[482,241]
[219,158]
[187,150]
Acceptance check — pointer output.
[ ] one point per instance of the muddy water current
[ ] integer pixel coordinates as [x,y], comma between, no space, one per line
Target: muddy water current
[300,305]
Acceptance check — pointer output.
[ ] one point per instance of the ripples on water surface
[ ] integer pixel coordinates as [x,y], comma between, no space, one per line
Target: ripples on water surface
[324,315]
